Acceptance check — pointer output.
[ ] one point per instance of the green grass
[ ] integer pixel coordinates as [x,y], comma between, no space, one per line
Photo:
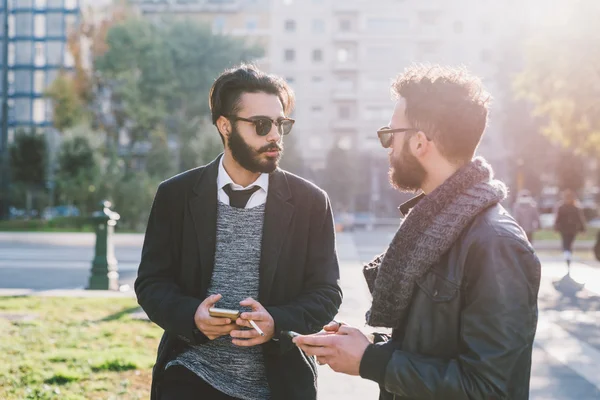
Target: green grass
[549,234]
[74,349]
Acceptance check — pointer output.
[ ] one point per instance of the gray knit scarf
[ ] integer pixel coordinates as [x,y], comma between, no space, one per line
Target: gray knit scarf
[425,235]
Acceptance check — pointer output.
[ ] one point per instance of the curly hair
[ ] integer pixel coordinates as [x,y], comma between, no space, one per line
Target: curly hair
[224,97]
[448,104]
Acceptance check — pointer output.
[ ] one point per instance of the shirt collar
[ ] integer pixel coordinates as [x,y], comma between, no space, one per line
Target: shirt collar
[223,179]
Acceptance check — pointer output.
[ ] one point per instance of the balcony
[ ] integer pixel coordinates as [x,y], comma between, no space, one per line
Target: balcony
[348,36]
[340,66]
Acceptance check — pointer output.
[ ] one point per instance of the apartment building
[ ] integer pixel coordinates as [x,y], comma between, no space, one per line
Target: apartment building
[341,55]
[37,51]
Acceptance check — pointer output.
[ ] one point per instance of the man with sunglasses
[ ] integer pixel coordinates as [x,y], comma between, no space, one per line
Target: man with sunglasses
[239,234]
[458,283]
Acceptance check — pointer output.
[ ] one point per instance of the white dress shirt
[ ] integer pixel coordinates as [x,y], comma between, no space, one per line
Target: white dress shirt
[258,198]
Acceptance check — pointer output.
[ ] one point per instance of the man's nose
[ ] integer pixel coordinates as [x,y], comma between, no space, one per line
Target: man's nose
[274,135]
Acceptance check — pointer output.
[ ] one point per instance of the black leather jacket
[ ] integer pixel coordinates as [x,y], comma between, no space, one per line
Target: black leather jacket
[469,333]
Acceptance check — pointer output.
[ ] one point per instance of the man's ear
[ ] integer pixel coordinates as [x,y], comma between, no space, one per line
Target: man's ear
[224,126]
[421,145]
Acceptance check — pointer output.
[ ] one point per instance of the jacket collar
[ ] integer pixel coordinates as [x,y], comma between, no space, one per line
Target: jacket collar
[410,204]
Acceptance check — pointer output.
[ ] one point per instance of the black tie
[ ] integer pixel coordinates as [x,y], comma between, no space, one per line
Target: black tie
[239,198]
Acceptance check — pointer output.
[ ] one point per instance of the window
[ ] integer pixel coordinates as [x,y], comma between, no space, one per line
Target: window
[345,25]
[290,25]
[317,55]
[11,54]
[39,111]
[11,26]
[54,55]
[70,4]
[54,24]
[289,54]
[24,55]
[23,24]
[22,81]
[39,82]
[40,56]
[344,112]
[23,3]
[343,55]
[40,26]
[318,26]
[22,110]
[458,27]
[40,4]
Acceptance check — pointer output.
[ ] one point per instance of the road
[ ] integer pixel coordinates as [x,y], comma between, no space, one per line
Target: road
[566,357]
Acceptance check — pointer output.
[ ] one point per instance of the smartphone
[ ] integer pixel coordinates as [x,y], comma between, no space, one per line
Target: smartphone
[224,313]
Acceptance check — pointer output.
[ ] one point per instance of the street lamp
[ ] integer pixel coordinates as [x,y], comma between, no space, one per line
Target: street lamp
[4,165]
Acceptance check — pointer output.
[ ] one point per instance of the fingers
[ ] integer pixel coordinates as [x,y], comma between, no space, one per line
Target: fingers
[322,360]
[214,332]
[250,302]
[255,316]
[211,300]
[315,340]
[333,326]
[214,321]
[317,351]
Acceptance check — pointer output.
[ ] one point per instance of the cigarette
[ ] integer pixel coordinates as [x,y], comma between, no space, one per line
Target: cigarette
[256,327]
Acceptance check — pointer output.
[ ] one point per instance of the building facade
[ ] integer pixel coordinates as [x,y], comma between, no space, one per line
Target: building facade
[37,51]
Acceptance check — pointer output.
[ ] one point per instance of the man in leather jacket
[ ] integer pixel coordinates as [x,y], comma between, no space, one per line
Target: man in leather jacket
[458,284]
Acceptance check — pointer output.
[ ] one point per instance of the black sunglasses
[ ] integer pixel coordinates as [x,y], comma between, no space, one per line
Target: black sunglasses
[386,134]
[263,124]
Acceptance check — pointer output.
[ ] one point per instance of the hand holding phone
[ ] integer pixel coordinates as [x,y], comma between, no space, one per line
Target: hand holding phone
[213,327]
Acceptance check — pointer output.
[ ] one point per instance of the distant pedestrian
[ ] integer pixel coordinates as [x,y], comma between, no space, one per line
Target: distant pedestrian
[569,222]
[525,211]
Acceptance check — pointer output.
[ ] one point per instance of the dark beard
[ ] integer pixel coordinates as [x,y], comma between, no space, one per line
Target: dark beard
[406,173]
[249,158]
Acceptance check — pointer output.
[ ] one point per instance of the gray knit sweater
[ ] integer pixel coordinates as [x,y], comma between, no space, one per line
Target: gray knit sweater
[236,371]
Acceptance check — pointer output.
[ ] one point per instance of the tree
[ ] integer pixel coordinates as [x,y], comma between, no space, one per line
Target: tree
[570,171]
[161,72]
[562,76]
[68,109]
[28,160]
[159,164]
[78,172]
